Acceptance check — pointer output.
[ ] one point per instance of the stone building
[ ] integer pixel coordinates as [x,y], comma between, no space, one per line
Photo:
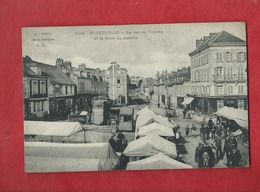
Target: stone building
[90,83]
[118,83]
[219,72]
[35,91]
[60,90]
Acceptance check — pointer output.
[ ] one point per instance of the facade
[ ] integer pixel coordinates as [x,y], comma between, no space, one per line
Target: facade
[118,83]
[219,72]
[90,83]
[60,89]
[135,81]
[147,86]
[35,91]
[172,88]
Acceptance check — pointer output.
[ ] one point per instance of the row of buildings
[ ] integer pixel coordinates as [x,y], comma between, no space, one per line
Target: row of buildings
[216,77]
[61,89]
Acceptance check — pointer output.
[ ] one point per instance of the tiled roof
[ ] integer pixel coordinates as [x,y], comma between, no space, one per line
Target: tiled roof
[55,74]
[221,38]
[27,72]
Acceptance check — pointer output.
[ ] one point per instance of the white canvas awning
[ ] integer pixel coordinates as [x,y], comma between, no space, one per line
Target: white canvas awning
[157,129]
[187,100]
[149,146]
[44,128]
[238,115]
[50,157]
[147,116]
[159,161]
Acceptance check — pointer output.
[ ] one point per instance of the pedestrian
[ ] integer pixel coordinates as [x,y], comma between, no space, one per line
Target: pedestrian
[158,104]
[187,130]
[198,154]
[218,144]
[209,150]
[202,132]
[213,132]
[184,113]
[235,157]
[193,130]
[207,132]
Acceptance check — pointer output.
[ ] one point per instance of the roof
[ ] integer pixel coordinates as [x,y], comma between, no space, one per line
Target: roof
[53,72]
[27,72]
[159,161]
[150,145]
[221,38]
[50,157]
[238,115]
[45,128]
[157,129]
[146,116]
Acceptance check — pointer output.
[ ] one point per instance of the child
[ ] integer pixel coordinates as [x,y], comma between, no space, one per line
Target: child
[205,157]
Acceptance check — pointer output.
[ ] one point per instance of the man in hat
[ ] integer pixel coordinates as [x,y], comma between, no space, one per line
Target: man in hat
[198,154]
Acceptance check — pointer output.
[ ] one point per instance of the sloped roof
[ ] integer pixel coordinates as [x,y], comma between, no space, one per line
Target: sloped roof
[40,156]
[238,115]
[150,145]
[27,72]
[221,38]
[64,129]
[55,74]
[159,161]
[157,129]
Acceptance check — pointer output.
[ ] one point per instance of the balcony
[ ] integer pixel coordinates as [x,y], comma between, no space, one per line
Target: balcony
[230,79]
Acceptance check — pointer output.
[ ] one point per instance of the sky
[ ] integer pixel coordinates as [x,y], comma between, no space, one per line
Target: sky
[141,49]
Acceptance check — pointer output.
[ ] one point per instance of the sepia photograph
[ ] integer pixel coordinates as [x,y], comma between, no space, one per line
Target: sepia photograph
[135,97]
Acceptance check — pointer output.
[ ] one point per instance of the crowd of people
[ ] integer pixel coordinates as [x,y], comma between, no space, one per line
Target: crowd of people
[210,150]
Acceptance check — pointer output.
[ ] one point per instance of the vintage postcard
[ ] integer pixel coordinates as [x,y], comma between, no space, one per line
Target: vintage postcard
[135,97]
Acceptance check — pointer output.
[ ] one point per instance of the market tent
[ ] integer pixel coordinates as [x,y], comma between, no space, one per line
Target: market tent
[49,164]
[187,100]
[92,152]
[238,115]
[150,145]
[158,161]
[157,129]
[147,116]
[45,128]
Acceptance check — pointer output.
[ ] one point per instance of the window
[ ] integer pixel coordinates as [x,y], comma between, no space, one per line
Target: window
[240,73]
[43,87]
[219,72]
[118,80]
[219,57]
[35,87]
[25,88]
[228,56]
[240,56]
[220,104]
[230,89]
[220,90]
[240,104]
[240,89]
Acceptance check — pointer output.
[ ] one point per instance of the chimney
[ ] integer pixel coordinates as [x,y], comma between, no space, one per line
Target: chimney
[59,62]
[82,67]
[27,59]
